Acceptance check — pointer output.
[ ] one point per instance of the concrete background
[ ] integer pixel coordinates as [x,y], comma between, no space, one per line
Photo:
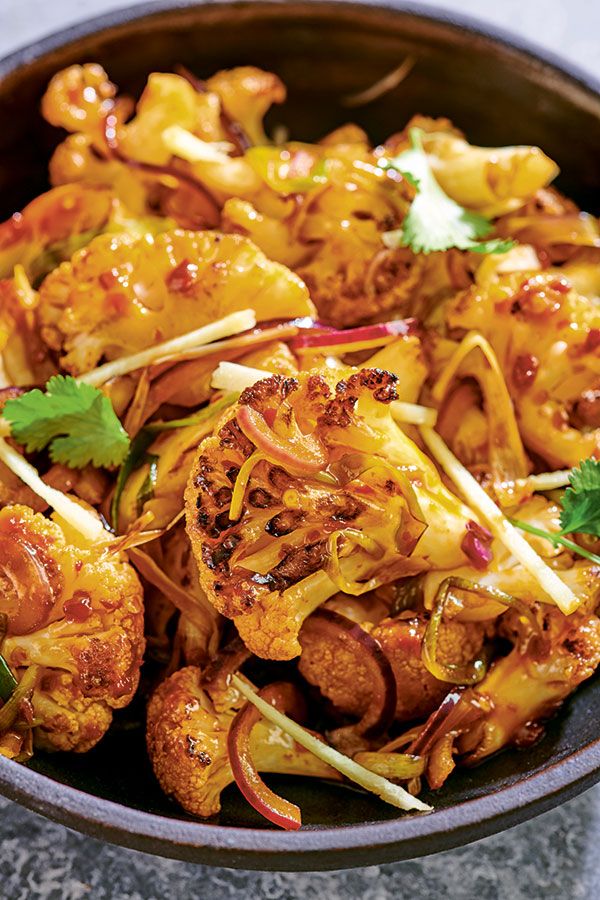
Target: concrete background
[554,856]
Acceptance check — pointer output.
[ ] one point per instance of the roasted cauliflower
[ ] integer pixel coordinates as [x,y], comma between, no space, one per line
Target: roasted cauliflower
[297,494]
[76,612]
[546,338]
[121,294]
[187,744]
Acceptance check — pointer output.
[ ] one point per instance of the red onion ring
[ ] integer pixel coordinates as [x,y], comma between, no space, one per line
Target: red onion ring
[276,809]
[449,714]
[382,709]
[332,338]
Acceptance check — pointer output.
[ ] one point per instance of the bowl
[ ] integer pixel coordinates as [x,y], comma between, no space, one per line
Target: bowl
[499,90]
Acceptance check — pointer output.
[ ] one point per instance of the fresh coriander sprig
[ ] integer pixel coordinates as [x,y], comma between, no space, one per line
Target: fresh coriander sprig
[580,512]
[434,221]
[75,421]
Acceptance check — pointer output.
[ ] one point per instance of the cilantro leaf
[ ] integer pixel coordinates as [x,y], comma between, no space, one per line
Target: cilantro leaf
[580,510]
[581,501]
[434,221]
[77,422]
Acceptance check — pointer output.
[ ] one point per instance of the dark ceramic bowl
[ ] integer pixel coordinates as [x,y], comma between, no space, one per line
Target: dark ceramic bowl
[499,91]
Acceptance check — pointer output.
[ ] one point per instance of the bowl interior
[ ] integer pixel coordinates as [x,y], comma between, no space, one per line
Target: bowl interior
[495,93]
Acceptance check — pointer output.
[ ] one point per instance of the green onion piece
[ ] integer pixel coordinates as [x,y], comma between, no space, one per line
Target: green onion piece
[475,671]
[8,682]
[24,689]
[137,451]
[146,491]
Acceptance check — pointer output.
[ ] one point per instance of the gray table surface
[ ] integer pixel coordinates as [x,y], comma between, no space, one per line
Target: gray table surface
[554,856]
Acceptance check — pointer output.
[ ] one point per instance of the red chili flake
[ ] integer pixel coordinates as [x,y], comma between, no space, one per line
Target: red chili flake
[560,285]
[183,277]
[108,279]
[475,545]
[525,370]
[116,303]
[539,297]
[592,341]
[78,608]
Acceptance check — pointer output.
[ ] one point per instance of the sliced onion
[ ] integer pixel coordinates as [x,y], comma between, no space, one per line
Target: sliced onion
[449,715]
[216,678]
[276,809]
[30,591]
[364,336]
[301,454]
[333,626]
[23,691]
[474,671]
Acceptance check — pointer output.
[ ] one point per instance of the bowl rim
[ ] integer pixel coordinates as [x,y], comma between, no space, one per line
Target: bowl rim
[313,847]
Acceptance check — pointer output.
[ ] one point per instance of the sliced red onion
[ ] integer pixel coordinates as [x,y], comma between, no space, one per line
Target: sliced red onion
[382,708]
[449,714]
[475,545]
[276,809]
[217,675]
[300,454]
[359,335]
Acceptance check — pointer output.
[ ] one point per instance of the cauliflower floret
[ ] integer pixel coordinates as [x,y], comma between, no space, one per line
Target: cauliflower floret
[332,236]
[505,572]
[187,744]
[329,495]
[525,688]
[77,612]
[545,336]
[52,227]
[122,294]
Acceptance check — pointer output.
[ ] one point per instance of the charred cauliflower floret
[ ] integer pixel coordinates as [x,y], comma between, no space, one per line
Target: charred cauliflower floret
[308,487]
[339,675]
[122,294]
[187,744]
[546,337]
[76,612]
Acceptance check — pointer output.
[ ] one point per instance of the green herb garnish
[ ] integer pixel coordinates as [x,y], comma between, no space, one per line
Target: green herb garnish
[75,421]
[580,512]
[434,221]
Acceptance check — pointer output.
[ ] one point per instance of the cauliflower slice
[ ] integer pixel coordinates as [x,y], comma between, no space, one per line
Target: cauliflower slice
[77,612]
[308,487]
[187,745]
[122,294]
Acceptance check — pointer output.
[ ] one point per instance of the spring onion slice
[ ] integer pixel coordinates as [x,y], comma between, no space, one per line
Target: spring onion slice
[8,682]
[234,323]
[370,781]
[514,542]
[545,481]
[186,145]
[235,377]
[81,519]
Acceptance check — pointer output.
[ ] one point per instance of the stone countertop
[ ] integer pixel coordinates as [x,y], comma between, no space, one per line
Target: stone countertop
[554,856]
